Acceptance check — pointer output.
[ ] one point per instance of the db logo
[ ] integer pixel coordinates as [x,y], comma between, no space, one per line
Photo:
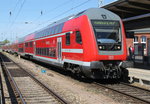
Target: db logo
[111,57]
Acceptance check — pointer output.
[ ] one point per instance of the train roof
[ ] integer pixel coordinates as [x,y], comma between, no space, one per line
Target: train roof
[92,13]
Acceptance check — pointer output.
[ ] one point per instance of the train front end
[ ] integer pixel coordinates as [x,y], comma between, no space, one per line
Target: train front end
[109,51]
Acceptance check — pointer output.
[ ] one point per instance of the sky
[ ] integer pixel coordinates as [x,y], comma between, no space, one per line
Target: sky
[22,17]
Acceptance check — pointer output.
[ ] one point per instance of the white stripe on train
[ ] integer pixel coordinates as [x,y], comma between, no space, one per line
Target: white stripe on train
[73,50]
[65,60]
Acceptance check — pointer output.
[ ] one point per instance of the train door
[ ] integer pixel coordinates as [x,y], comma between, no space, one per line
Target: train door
[59,49]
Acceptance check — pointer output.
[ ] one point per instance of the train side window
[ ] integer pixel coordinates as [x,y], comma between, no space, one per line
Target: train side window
[26,44]
[56,29]
[67,38]
[50,33]
[31,45]
[78,37]
[37,51]
[40,51]
[45,51]
[53,31]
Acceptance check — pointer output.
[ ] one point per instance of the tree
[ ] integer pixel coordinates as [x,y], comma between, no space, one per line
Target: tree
[6,41]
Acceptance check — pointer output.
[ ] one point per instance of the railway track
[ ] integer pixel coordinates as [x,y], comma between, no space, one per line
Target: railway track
[138,95]
[28,89]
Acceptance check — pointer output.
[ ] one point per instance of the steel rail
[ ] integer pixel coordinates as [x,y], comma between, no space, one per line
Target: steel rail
[60,99]
[140,99]
[45,87]
[2,101]
[135,87]
[13,82]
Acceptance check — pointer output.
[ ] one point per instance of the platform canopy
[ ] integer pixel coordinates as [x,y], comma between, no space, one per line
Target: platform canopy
[135,13]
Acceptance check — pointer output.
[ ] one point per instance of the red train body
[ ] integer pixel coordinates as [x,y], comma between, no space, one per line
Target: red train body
[92,43]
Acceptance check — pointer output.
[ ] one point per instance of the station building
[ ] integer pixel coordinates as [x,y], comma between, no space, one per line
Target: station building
[135,15]
[141,36]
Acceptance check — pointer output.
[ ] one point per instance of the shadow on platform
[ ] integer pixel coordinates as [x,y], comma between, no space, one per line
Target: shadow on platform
[140,64]
[144,66]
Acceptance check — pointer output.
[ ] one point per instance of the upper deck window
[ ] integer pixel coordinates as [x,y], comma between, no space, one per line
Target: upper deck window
[67,38]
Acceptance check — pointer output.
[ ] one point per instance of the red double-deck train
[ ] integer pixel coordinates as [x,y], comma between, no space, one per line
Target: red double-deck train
[91,43]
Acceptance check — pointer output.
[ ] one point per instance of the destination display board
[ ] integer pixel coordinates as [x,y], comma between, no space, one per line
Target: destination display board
[104,23]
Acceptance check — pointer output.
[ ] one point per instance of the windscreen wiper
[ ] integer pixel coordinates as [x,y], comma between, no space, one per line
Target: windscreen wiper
[113,44]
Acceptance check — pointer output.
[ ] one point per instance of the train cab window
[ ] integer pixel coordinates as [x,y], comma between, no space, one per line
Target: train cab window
[78,37]
[67,38]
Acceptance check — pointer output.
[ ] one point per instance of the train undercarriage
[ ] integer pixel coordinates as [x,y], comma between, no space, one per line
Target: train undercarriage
[101,69]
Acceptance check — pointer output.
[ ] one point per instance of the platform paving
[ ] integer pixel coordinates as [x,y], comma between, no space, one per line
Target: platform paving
[140,74]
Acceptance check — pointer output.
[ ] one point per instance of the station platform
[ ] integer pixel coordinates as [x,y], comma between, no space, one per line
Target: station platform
[140,73]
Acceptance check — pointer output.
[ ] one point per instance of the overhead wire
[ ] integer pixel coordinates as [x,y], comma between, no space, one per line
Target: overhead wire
[11,14]
[67,11]
[17,13]
[16,5]
[62,14]
[52,10]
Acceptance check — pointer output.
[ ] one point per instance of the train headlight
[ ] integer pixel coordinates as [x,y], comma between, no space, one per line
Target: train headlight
[118,47]
[100,47]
